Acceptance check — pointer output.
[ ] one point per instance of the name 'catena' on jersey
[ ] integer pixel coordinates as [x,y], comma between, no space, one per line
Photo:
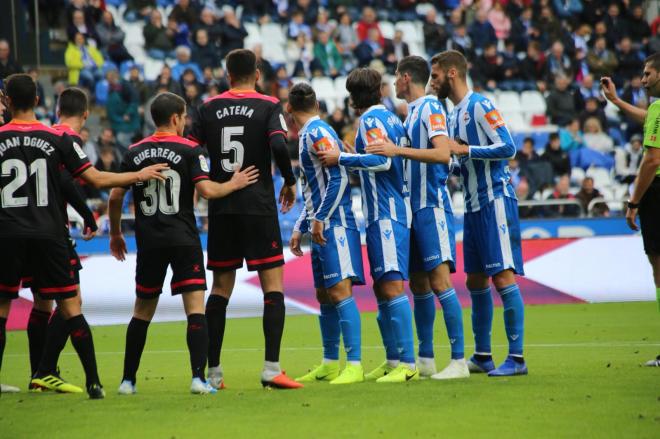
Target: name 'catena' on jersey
[236,110]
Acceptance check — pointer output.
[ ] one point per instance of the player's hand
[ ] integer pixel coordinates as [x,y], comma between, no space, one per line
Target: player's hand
[608,88]
[458,148]
[244,178]
[317,232]
[294,243]
[88,233]
[118,247]
[329,158]
[153,172]
[631,218]
[287,198]
[382,147]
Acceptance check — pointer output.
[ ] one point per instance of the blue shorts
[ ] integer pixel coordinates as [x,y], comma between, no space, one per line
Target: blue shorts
[432,240]
[388,248]
[491,238]
[340,258]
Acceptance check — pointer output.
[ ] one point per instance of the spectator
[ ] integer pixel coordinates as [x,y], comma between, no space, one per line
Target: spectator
[527,153]
[639,30]
[500,21]
[386,93]
[587,194]
[570,136]
[138,10]
[487,69]
[180,32]
[233,31]
[461,41]
[592,109]
[549,28]
[158,39]
[631,62]
[560,103]
[523,31]
[510,70]
[522,192]
[80,25]
[366,24]
[265,68]
[107,160]
[567,8]
[556,156]
[91,13]
[323,24]
[88,146]
[628,159]
[208,22]
[337,121]
[204,53]
[561,192]
[308,9]
[588,89]
[581,37]
[369,49]
[594,137]
[192,96]
[107,139]
[617,26]
[84,63]
[184,12]
[532,67]
[394,50]
[558,63]
[306,66]
[138,84]
[514,172]
[282,80]
[40,110]
[636,95]
[165,81]
[435,35]
[183,62]
[601,60]
[600,30]
[122,109]
[346,39]
[481,32]
[111,39]
[8,66]
[328,56]
[298,25]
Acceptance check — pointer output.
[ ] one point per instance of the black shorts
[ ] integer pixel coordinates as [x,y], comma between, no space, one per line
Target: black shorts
[27,279]
[187,266]
[649,218]
[255,238]
[47,260]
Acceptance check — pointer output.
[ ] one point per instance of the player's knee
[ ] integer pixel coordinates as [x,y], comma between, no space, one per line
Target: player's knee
[5,304]
[145,309]
[476,281]
[390,289]
[69,308]
[42,305]
[503,279]
[340,291]
[322,295]
[419,283]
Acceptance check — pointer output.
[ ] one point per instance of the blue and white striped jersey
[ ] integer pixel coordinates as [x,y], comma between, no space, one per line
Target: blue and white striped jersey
[326,191]
[485,171]
[428,181]
[382,179]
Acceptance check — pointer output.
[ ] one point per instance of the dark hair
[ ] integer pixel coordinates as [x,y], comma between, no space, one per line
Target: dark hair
[449,59]
[164,106]
[416,67]
[302,97]
[241,64]
[553,136]
[363,84]
[529,139]
[22,90]
[653,61]
[72,102]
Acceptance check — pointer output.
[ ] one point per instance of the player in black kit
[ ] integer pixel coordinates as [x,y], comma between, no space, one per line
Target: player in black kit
[31,219]
[244,128]
[166,233]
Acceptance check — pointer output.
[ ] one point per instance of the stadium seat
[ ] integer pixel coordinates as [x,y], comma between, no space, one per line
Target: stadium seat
[387,29]
[621,191]
[298,80]
[532,103]
[340,90]
[577,175]
[417,49]
[273,51]
[254,35]
[602,177]
[325,89]
[152,68]
[515,121]
[272,33]
[508,101]
[410,32]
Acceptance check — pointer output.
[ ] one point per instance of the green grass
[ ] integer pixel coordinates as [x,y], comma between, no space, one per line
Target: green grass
[585,381]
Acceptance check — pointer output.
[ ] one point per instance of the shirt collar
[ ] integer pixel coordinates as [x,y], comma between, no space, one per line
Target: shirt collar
[309,121]
[465,100]
[376,107]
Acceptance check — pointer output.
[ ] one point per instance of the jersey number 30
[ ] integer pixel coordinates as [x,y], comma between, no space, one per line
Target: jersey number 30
[162,195]
[228,145]
[20,169]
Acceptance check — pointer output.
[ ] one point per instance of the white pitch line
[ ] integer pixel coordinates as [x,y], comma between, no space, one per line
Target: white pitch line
[310,348]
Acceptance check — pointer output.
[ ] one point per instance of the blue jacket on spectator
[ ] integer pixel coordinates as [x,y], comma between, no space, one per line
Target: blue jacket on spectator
[179,68]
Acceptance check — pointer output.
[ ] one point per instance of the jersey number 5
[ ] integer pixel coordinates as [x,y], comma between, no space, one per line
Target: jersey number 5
[228,145]
[162,195]
[38,168]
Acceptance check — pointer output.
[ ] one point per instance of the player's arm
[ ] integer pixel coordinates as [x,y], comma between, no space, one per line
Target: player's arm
[363,162]
[212,189]
[74,198]
[117,243]
[633,112]
[299,228]
[440,153]
[103,179]
[277,130]
[491,122]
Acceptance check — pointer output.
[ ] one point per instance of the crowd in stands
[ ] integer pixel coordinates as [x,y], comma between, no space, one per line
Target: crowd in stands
[555,49]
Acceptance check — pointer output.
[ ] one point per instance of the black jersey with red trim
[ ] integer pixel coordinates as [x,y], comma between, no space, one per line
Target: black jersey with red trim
[31,155]
[164,211]
[236,127]
[65,176]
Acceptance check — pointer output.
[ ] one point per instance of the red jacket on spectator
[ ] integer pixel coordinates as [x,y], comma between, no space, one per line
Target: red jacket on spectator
[363,31]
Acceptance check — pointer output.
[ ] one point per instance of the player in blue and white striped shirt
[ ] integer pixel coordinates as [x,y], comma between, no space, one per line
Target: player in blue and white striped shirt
[432,245]
[491,237]
[336,247]
[387,212]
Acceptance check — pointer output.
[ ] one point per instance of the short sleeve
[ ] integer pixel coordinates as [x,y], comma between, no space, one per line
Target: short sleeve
[321,139]
[276,122]
[74,158]
[435,120]
[652,128]
[199,166]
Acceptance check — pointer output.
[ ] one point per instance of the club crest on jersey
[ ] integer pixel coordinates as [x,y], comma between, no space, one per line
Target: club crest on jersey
[79,151]
[438,122]
[323,144]
[203,164]
[375,134]
[466,118]
[494,119]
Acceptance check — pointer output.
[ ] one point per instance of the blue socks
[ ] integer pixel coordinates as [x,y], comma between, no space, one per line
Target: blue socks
[424,319]
[330,331]
[351,327]
[514,318]
[453,314]
[384,320]
[482,320]
[401,317]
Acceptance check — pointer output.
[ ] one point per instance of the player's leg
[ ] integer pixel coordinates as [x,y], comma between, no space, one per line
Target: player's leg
[37,330]
[136,337]
[5,305]
[504,252]
[11,264]
[341,295]
[654,259]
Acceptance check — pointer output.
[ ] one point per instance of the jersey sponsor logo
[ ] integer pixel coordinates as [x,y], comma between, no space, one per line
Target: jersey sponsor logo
[203,163]
[330,276]
[323,144]
[438,122]
[494,119]
[375,134]
[431,258]
[283,123]
[79,150]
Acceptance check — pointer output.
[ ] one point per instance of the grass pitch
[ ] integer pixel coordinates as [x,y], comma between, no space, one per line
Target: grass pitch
[585,381]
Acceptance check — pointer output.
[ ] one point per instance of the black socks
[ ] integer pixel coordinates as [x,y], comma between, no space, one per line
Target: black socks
[197,337]
[273,324]
[136,337]
[216,316]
